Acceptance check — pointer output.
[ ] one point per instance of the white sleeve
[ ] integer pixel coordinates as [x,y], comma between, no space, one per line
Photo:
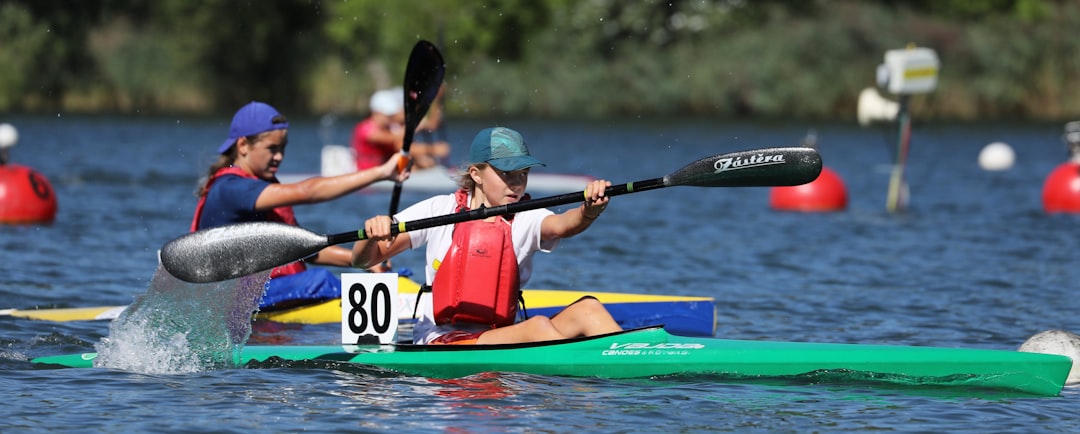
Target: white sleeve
[431,207]
[528,232]
[528,239]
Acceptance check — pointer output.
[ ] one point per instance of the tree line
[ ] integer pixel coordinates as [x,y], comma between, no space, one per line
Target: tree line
[1001,59]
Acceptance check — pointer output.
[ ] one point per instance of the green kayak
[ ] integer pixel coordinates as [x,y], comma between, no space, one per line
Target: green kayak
[651,352]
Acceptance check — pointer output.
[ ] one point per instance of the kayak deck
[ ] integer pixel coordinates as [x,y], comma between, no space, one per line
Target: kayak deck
[67,314]
[652,352]
[683,315]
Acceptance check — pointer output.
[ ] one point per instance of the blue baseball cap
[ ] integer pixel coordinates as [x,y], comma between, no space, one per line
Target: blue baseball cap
[253,118]
[502,148]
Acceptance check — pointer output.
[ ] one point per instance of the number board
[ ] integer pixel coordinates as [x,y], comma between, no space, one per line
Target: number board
[369,308]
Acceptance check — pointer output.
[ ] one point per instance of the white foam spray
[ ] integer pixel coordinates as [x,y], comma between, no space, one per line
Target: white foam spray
[180,327]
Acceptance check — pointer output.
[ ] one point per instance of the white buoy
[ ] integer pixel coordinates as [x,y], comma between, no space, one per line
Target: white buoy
[997,156]
[1058,342]
[8,136]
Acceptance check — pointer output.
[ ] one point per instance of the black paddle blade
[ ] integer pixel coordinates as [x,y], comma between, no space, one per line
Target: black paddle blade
[756,168]
[228,252]
[423,77]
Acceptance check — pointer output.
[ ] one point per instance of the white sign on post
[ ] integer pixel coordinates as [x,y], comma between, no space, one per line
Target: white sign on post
[369,308]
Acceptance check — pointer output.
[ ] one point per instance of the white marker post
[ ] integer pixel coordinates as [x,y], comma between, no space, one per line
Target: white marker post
[369,308]
[909,71]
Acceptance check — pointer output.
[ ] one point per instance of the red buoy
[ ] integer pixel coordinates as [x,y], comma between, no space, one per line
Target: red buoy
[824,194]
[26,197]
[1061,191]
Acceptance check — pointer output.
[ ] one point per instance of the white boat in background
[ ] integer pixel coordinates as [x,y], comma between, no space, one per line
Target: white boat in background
[339,160]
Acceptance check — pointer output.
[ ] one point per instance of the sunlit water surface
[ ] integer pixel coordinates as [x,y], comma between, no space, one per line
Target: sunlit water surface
[974,262]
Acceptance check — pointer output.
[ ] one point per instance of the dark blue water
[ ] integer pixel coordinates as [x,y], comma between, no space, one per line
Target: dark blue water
[974,262]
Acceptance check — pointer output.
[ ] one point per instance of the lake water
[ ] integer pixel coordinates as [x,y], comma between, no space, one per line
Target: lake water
[974,262]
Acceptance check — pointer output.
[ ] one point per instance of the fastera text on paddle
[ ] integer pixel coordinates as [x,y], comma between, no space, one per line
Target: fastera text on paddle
[646,349]
[736,163]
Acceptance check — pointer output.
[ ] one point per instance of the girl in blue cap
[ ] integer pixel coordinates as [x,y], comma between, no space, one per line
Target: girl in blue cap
[476,268]
[242,186]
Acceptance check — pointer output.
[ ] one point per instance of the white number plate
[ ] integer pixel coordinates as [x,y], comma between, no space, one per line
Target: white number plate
[369,308]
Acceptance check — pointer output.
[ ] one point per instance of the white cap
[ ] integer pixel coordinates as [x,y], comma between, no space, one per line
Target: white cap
[8,136]
[388,101]
[1072,132]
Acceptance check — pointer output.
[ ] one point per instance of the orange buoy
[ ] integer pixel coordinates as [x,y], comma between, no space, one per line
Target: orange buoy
[26,197]
[824,194]
[1061,191]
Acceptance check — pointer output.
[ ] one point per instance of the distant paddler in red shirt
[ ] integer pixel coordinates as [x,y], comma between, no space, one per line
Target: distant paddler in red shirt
[382,133]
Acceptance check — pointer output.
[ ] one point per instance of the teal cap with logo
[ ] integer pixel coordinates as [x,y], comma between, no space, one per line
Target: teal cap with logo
[503,149]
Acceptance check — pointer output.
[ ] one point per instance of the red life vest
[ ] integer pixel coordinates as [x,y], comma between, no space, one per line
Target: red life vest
[477,281]
[282,214]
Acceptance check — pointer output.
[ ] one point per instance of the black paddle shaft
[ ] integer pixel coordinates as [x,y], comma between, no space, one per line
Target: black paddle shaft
[485,212]
[761,168]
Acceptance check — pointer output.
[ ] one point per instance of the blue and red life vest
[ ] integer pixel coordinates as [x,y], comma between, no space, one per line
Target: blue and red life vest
[281,214]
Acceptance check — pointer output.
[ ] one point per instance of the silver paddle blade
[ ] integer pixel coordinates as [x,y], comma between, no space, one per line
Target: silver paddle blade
[227,252]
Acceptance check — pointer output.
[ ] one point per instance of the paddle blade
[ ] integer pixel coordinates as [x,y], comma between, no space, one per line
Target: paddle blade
[231,251]
[423,77]
[755,168]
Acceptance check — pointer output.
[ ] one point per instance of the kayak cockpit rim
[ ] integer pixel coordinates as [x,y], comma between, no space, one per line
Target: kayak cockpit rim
[474,347]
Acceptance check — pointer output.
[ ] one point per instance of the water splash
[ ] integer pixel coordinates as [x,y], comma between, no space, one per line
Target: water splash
[180,327]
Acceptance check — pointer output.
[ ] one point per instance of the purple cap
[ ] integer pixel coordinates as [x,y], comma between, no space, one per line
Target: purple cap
[253,118]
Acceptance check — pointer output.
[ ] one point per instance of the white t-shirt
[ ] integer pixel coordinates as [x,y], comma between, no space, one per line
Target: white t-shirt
[525,234]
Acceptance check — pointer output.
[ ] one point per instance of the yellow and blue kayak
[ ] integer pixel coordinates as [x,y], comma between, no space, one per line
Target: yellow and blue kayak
[684,315]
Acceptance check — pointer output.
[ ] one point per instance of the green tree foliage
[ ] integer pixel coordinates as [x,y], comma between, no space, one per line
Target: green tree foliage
[55,31]
[23,39]
[242,51]
[548,58]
